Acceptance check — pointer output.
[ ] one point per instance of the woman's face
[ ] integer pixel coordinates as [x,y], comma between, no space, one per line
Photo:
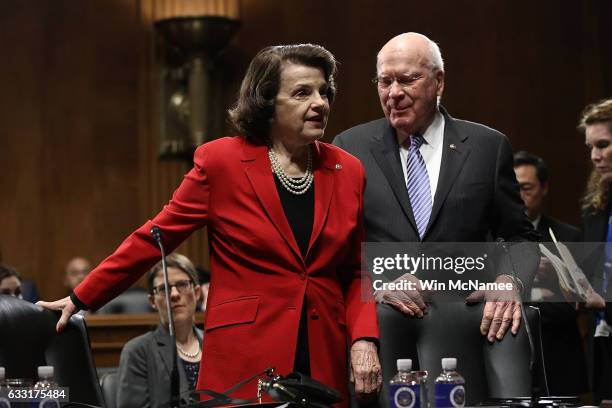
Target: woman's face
[302,107]
[599,142]
[184,295]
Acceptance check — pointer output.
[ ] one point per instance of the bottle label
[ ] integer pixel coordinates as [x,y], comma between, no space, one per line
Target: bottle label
[450,395]
[404,396]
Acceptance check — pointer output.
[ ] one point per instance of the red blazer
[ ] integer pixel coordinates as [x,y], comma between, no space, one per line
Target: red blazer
[258,275]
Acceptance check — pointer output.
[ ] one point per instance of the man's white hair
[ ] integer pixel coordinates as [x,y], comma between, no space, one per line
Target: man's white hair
[436,55]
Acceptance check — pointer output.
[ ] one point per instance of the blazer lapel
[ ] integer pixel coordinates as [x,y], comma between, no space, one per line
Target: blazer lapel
[162,338]
[324,188]
[259,173]
[454,154]
[386,153]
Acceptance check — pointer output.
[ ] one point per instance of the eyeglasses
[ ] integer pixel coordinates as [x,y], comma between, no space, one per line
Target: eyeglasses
[385,82]
[181,286]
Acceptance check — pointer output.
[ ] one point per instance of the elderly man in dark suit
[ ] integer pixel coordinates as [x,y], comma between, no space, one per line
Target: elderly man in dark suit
[434,178]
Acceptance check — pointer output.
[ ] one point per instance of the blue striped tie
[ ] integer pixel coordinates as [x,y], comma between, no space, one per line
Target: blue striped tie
[418,185]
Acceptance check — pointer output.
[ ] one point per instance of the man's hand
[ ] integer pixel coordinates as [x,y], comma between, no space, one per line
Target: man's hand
[365,369]
[66,306]
[502,309]
[409,302]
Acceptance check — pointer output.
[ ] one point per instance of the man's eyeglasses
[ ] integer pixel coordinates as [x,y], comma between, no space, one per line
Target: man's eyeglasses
[385,82]
[181,286]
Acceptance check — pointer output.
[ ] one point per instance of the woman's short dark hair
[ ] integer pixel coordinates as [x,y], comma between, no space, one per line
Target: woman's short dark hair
[255,105]
[174,260]
[8,271]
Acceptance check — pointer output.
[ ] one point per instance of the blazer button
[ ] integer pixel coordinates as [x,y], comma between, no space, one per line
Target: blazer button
[313,314]
[302,276]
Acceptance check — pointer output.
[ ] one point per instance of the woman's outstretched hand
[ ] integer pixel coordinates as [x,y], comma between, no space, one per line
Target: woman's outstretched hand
[66,306]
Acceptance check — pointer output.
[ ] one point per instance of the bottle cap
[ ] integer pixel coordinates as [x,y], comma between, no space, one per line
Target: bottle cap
[404,364]
[2,373]
[449,363]
[45,372]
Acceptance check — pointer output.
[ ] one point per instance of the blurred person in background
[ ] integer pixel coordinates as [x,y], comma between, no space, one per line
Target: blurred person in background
[596,123]
[144,368]
[76,270]
[10,282]
[561,340]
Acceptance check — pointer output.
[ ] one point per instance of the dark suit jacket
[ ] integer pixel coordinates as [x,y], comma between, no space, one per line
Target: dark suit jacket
[595,226]
[477,196]
[563,232]
[561,341]
[144,371]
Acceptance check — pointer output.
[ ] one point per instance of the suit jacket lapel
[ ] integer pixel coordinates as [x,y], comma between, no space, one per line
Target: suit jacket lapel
[260,176]
[324,168]
[454,154]
[162,338]
[386,153]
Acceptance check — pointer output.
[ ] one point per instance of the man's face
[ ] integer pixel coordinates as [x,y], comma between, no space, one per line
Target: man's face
[532,191]
[76,271]
[408,88]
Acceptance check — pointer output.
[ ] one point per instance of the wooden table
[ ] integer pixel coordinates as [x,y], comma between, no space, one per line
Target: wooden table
[108,333]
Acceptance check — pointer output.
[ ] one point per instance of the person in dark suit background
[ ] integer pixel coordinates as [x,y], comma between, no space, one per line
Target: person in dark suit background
[563,355]
[434,178]
[596,123]
[146,360]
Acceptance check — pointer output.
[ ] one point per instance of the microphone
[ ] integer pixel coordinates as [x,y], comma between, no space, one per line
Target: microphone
[174,375]
[534,386]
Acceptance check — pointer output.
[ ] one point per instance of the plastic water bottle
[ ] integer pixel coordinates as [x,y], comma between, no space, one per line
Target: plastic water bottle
[450,386]
[404,388]
[46,382]
[421,376]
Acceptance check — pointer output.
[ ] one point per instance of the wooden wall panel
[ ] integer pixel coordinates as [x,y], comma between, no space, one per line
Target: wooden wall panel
[79,100]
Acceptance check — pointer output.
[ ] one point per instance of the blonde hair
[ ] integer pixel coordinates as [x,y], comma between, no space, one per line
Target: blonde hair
[596,195]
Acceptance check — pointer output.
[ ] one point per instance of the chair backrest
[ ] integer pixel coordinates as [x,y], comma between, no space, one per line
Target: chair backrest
[28,340]
[132,301]
[498,370]
[109,384]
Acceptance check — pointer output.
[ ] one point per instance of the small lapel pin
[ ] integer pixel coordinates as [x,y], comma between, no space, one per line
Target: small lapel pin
[338,166]
[452,146]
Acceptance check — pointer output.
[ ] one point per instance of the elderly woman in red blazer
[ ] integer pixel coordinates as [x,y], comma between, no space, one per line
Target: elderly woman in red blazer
[284,218]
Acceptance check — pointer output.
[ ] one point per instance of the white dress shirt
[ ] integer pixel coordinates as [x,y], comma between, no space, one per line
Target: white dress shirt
[431,151]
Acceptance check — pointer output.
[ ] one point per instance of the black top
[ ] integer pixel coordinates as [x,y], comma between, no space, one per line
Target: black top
[299,211]
[191,372]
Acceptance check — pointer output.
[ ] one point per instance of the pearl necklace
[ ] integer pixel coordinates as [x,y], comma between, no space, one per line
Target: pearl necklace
[188,355]
[298,185]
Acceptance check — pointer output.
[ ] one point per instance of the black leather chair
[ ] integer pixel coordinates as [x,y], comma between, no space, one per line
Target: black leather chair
[498,370]
[28,340]
[109,384]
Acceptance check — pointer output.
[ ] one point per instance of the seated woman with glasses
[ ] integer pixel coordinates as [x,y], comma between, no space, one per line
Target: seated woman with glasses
[146,361]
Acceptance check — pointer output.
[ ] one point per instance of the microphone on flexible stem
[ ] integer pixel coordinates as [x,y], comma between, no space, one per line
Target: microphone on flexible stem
[174,375]
[534,385]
